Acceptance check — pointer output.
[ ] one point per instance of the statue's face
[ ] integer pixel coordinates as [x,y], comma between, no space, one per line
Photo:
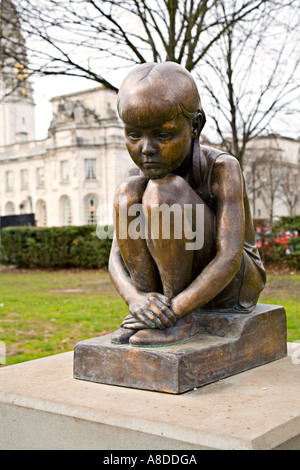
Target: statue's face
[159,147]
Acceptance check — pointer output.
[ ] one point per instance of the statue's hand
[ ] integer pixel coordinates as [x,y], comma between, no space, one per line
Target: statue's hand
[130,322]
[153,310]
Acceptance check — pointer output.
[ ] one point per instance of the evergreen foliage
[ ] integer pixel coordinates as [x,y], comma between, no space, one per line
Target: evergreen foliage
[54,247]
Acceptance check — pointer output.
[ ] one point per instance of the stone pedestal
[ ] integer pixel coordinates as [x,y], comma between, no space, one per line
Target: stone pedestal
[226,345]
[43,407]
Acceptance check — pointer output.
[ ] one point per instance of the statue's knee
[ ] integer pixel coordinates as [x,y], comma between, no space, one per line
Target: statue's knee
[166,190]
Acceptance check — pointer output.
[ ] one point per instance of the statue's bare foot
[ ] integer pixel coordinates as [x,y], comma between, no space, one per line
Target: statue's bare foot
[129,327]
[122,335]
[183,330]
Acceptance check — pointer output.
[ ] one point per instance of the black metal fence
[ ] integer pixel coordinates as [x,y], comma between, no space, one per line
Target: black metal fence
[21,220]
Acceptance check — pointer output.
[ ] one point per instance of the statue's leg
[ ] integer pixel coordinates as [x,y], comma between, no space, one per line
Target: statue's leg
[134,250]
[178,258]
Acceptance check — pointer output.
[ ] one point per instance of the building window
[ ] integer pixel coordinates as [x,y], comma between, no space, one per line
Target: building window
[9,208]
[41,213]
[40,177]
[24,179]
[91,204]
[64,171]
[90,169]
[9,181]
[66,210]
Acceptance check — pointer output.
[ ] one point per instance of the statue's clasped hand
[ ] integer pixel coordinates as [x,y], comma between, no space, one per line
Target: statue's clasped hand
[151,310]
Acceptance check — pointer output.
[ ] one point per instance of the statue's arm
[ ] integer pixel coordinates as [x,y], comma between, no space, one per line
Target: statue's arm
[227,187]
[116,267]
[119,274]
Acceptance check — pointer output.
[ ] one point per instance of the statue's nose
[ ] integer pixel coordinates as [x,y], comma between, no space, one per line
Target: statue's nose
[148,147]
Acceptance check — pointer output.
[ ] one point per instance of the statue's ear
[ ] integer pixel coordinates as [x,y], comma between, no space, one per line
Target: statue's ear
[197,124]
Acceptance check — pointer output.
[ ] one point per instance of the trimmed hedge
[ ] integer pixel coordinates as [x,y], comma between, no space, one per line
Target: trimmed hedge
[80,247]
[54,247]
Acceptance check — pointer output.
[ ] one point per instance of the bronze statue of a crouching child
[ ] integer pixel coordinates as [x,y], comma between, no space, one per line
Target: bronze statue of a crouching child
[161,280]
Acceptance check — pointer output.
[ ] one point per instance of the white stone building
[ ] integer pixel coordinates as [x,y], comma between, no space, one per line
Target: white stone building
[64,178]
[272,171]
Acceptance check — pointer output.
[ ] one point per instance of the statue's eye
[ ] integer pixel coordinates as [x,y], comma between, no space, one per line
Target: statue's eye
[134,136]
[163,136]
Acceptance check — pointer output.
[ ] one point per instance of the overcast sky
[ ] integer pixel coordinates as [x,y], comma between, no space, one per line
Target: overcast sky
[47,87]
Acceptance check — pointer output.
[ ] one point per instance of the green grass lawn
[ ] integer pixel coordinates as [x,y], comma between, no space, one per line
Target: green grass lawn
[284,289]
[48,312]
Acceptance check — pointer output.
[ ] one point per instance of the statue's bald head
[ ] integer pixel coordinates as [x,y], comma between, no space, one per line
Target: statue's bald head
[155,92]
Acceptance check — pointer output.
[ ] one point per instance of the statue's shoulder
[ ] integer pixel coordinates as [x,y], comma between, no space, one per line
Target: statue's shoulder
[212,153]
[222,169]
[217,157]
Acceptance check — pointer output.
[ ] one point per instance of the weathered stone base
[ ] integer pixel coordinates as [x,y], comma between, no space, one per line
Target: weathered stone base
[42,407]
[226,345]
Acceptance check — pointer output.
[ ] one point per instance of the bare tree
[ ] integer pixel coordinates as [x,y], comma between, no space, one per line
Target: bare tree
[267,180]
[242,50]
[83,37]
[250,75]
[289,186]
[271,176]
